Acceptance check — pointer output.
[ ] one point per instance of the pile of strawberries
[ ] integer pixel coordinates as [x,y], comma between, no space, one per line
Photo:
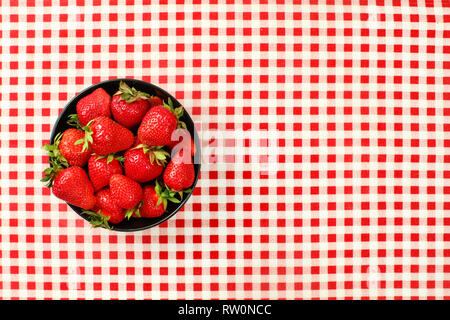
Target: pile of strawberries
[114,162]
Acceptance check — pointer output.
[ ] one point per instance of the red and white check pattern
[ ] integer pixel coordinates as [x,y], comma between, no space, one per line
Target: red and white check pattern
[355,94]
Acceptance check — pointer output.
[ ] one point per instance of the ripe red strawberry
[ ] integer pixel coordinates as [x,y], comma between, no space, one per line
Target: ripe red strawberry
[126,192]
[128,106]
[158,124]
[179,173]
[73,186]
[94,105]
[143,164]
[149,208]
[154,202]
[105,136]
[101,168]
[107,206]
[64,151]
[155,101]
[73,153]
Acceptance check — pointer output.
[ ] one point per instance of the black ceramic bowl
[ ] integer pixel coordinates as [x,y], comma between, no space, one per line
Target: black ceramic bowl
[111,86]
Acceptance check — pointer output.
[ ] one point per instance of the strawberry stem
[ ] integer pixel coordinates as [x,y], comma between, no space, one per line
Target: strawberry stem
[135,210]
[56,160]
[110,157]
[130,94]
[155,153]
[97,219]
[50,173]
[178,112]
[165,195]
[87,140]
[74,121]
[180,192]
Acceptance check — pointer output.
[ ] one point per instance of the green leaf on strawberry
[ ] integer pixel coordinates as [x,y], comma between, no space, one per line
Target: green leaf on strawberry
[178,112]
[57,161]
[54,153]
[121,159]
[74,121]
[129,213]
[87,140]
[155,153]
[130,94]
[110,157]
[97,219]
[50,173]
[180,192]
[164,195]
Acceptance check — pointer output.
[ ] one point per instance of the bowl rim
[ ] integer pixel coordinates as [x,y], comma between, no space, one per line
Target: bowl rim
[196,142]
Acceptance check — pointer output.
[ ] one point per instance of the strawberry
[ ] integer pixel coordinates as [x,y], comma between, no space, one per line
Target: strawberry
[158,124]
[149,208]
[128,106]
[154,202]
[108,207]
[65,152]
[155,101]
[143,164]
[126,192]
[101,168]
[72,185]
[105,136]
[179,173]
[94,105]
[73,153]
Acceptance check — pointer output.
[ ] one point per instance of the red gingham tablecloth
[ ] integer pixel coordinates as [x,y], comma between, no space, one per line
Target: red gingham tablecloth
[325,138]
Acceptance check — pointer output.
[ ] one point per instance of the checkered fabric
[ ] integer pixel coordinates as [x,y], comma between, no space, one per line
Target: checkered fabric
[325,132]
